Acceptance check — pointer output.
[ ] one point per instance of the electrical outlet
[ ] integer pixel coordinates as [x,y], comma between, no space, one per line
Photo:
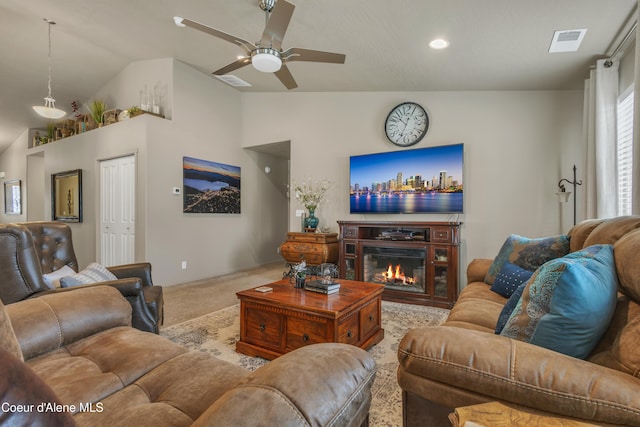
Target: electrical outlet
[184,265]
[299,212]
[176,190]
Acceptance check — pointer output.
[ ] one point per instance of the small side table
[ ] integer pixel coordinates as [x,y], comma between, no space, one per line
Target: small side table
[313,248]
[496,414]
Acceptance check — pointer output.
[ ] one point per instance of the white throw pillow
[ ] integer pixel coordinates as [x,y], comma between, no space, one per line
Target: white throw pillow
[52,280]
[93,273]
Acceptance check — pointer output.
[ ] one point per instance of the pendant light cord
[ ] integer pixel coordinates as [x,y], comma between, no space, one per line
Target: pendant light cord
[49,109]
[50,22]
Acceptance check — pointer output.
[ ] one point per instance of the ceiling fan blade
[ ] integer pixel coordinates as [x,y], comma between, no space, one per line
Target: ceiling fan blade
[284,75]
[233,66]
[277,25]
[220,34]
[298,54]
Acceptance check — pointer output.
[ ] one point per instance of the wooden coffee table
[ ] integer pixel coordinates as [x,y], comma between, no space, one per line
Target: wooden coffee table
[276,322]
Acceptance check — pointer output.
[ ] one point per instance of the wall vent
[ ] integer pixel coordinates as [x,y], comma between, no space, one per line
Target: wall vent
[566,40]
[232,80]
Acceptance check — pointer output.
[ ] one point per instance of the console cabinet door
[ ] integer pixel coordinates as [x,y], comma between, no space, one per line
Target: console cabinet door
[442,279]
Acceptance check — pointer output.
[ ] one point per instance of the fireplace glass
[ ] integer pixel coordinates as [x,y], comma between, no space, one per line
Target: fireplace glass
[397,268]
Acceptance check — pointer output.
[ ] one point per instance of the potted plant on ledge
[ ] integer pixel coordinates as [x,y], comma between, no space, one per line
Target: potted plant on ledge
[97,109]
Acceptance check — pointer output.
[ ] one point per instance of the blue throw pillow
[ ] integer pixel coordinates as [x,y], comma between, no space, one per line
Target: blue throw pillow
[568,303]
[508,307]
[527,253]
[509,278]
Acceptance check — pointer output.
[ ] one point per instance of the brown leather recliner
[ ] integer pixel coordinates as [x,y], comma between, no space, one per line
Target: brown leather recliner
[31,249]
[463,362]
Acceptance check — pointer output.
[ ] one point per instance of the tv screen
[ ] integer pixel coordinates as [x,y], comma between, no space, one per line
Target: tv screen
[423,180]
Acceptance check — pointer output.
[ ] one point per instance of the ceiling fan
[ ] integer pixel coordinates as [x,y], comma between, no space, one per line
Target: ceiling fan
[267,55]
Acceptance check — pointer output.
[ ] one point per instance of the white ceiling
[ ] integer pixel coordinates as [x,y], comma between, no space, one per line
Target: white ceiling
[495,45]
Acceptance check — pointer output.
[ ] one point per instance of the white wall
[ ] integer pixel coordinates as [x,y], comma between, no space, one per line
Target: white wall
[123,91]
[83,151]
[206,124]
[627,67]
[517,147]
[14,165]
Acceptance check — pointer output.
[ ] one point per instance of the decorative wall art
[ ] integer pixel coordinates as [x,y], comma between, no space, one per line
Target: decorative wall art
[210,187]
[66,196]
[12,197]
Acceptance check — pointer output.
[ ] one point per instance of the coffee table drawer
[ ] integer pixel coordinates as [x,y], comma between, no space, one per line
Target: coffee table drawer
[264,327]
[348,331]
[370,317]
[301,332]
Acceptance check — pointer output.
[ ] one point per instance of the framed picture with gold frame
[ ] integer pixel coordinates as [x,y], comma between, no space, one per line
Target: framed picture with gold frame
[66,196]
[13,197]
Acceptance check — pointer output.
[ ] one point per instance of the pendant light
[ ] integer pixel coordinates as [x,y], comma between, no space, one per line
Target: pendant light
[49,109]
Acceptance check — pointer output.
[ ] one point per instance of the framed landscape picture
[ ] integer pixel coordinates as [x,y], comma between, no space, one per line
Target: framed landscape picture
[210,187]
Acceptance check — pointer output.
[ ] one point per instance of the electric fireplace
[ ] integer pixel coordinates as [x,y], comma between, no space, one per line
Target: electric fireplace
[417,262]
[396,268]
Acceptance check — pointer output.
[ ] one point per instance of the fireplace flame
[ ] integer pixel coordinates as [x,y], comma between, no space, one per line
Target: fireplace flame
[397,275]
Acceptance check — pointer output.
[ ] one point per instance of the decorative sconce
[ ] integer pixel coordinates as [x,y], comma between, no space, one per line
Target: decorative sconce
[563,194]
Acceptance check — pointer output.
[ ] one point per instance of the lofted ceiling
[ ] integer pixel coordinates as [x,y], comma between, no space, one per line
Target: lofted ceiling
[494,45]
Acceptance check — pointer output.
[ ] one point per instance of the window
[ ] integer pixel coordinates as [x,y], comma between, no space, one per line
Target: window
[624,150]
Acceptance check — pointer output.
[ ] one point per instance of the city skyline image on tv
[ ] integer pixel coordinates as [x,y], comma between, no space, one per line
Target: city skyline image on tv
[423,180]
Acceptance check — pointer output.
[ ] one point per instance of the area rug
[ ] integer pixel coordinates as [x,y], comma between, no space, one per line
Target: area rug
[216,333]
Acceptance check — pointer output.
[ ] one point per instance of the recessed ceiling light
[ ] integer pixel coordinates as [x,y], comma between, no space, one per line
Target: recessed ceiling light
[438,44]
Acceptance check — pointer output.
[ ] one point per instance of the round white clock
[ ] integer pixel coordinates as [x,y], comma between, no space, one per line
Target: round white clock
[406,124]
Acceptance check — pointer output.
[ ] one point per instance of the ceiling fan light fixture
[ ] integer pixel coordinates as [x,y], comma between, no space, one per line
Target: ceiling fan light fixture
[266,60]
[178,21]
[49,110]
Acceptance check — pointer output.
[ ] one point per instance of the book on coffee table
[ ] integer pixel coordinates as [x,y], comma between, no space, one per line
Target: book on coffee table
[321,290]
[327,286]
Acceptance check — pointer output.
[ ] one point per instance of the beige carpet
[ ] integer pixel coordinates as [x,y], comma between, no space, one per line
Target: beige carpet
[217,333]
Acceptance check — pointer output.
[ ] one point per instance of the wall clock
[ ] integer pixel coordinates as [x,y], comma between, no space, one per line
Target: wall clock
[406,124]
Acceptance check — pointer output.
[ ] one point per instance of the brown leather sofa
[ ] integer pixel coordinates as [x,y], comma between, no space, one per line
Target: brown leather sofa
[463,362]
[31,249]
[77,350]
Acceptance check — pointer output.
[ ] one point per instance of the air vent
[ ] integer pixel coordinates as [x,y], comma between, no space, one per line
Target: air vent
[232,80]
[567,40]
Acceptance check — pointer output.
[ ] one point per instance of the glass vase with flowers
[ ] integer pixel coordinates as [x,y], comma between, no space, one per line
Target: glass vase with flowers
[310,194]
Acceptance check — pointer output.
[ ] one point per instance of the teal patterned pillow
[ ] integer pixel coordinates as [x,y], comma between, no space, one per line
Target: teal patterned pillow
[527,253]
[568,303]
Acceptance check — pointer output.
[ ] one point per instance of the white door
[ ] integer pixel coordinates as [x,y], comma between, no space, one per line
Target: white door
[117,211]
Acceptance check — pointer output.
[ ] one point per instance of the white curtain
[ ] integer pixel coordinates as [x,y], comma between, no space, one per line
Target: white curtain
[635,186]
[600,98]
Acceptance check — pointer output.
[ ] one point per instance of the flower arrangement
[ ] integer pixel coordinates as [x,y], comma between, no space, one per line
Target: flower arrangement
[309,194]
[300,273]
[75,108]
[300,269]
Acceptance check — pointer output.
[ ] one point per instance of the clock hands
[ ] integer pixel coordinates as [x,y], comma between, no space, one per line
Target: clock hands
[415,123]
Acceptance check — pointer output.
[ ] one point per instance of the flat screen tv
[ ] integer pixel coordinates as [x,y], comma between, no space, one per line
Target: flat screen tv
[423,180]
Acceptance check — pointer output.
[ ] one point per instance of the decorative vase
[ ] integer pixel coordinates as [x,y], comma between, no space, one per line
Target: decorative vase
[311,221]
[300,281]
